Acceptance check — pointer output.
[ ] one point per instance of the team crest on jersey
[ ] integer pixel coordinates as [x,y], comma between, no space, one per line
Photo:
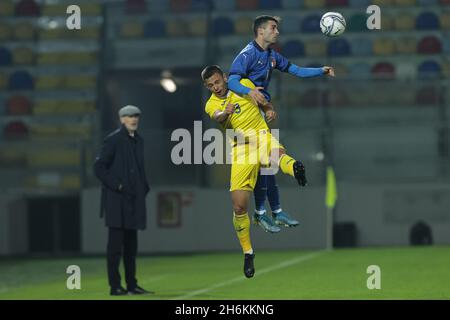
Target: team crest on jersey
[274,63]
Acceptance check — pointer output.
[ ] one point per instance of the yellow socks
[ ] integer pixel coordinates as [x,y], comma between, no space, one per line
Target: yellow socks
[242,226]
[287,164]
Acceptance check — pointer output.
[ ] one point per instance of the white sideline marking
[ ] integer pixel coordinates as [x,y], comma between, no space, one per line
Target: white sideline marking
[258,273]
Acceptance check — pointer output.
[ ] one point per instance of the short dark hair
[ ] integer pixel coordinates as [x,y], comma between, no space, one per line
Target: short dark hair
[210,70]
[260,20]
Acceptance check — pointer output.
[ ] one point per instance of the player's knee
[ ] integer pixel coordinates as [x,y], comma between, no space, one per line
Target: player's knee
[239,209]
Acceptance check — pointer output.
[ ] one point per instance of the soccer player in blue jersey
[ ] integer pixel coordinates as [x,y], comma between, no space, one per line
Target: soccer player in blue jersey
[256,62]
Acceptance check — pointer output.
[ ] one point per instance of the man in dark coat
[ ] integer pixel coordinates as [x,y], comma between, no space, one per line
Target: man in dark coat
[120,168]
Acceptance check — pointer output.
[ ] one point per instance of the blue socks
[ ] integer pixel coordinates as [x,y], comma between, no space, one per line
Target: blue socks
[273,194]
[266,186]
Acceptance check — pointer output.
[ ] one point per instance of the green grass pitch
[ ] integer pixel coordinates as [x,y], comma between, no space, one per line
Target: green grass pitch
[406,273]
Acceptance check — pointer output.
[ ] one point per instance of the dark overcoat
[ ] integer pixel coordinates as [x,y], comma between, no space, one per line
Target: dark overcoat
[121,162]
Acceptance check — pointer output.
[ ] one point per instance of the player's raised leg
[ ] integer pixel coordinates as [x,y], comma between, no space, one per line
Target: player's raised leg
[241,222]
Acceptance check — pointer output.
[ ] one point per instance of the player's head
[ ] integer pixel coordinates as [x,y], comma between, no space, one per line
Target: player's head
[266,28]
[129,117]
[215,80]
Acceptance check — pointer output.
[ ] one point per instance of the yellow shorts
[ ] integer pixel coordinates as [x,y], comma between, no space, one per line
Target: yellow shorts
[247,159]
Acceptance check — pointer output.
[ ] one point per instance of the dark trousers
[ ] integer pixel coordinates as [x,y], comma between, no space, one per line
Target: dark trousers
[122,242]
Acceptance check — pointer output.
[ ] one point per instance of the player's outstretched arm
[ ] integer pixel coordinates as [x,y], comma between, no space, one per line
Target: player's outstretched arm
[310,72]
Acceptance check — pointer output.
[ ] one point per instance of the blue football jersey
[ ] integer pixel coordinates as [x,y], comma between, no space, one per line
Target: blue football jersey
[256,64]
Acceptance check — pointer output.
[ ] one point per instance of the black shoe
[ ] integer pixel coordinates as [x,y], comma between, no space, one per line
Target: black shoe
[139,290]
[249,268]
[119,291]
[300,173]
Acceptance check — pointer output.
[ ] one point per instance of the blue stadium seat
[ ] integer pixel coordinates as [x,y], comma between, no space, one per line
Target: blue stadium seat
[220,5]
[21,80]
[5,57]
[201,5]
[223,26]
[362,47]
[427,21]
[154,28]
[292,4]
[311,23]
[293,48]
[339,48]
[429,69]
[270,4]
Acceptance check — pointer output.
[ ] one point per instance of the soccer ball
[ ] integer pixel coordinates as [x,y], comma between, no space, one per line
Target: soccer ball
[332,24]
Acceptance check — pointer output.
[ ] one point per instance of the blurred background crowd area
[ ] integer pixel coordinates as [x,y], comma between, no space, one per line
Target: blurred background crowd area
[384,118]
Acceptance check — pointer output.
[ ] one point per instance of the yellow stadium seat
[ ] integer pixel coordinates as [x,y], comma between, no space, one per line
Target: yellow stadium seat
[383,46]
[45,106]
[5,32]
[49,58]
[51,34]
[387,23]
[49,82]
[56,10]
[313,4]
[23,56]
[406,45]
[50,158]
[132,30]
[6,8]
[91,9]
[24,31]
[243,25]
[3,81]
[197,27]
[315,48]
[80,82]
[445,20]
[383,2]
[93,32]
[76,131]
[176,28]
[71,182]
[79,58]
[404,21]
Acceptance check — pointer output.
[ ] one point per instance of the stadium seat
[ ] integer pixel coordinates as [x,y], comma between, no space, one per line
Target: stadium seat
[223,26]
[243,26]
[427,2]
[360,70]
[20,80]
[428,96]
[292,4]
[406,45]
[135,7]
[446,44]
[444,20]
[269,4]
[293,48]
[314,4]
[49,82]
[180,6]
[154,28]
[383,46]
[132,30]
[383,3]
[341,69]
[387,22]
[337,97]
[362,47]
[24,31]
[158,6]
[27,8]
[315,48]
[84,58]
[357,23]
[429,70]
[383,70]
[247,4]
[23,56]
[5,32]
[405,3]
[201,5]
[5,57]
[54,9]
[197,27]
[337,3]
[427,21]
[339,48]
[80,81]
[16,130]
[429,45]
[360,3]
[406,70]
[290,25]
[3,82]
[6,8]
[176,28]
[18,105]
[224,6]
[404,21]
[311,23]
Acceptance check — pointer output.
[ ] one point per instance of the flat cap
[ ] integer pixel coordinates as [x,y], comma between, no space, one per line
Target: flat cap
[129,111]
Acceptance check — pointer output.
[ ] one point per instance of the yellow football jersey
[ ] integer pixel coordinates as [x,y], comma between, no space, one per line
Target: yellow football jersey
[247,115]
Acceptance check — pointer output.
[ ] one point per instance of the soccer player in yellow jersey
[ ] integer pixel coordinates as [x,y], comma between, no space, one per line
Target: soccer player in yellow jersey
[241,114]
